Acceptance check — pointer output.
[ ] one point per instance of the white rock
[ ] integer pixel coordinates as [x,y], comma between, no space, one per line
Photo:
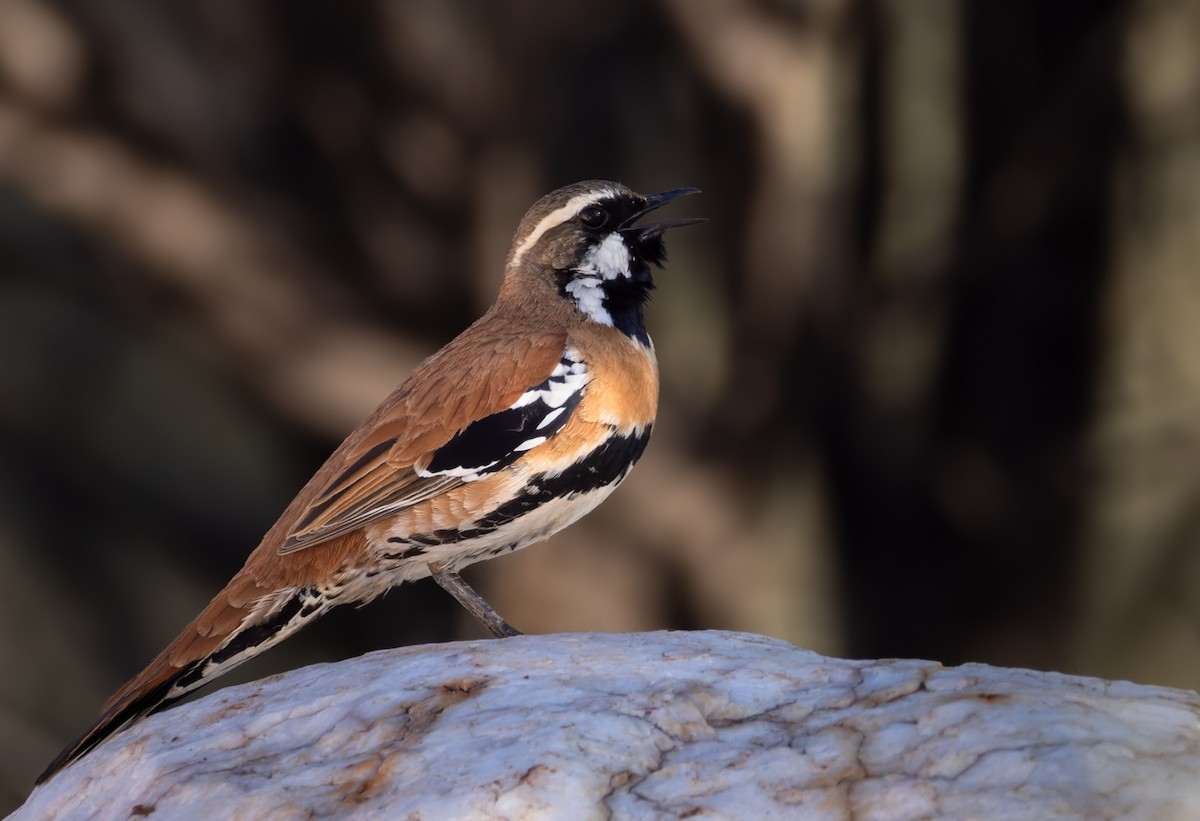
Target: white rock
[658,725]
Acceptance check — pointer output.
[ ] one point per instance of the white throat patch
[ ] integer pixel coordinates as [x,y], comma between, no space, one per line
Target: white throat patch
[609,258]
[588,293]
[606,261]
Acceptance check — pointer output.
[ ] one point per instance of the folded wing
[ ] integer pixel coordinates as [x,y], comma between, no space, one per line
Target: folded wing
[485,427]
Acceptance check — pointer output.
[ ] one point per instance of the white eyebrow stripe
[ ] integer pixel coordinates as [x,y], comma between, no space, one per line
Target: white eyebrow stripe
[557,217]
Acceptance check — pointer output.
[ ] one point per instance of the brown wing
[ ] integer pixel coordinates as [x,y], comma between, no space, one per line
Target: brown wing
[374,474]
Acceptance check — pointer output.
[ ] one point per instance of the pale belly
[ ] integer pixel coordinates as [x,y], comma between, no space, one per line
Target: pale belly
[398,564]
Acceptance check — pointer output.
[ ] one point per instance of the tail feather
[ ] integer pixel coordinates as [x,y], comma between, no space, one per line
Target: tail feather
[117,715]
[219,639]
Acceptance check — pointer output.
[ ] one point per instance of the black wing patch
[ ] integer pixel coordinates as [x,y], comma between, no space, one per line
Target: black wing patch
[495,442]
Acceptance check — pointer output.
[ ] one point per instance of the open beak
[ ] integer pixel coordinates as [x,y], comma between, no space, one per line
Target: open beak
[644,232]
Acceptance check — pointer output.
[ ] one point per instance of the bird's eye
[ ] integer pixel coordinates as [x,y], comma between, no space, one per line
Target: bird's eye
[593,216]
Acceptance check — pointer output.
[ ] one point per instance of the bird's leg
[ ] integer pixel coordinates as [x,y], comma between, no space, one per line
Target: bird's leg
[453,584]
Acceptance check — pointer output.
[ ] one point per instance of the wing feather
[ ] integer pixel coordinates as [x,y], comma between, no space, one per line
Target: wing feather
[374,474]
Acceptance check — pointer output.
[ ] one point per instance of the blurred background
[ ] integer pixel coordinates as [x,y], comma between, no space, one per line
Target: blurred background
[931,371]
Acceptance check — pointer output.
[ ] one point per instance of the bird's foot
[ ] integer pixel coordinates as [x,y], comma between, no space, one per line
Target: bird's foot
[453,584]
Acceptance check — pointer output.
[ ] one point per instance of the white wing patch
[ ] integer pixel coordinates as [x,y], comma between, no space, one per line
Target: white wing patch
[496,441]
[568,377]
[472,474]
[550,417]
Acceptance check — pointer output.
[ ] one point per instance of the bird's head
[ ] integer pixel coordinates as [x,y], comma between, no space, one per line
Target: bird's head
[583,241]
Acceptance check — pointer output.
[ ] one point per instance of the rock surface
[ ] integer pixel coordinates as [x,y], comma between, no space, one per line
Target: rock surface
[655,725]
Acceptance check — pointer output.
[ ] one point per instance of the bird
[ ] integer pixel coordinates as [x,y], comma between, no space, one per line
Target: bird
[513,430]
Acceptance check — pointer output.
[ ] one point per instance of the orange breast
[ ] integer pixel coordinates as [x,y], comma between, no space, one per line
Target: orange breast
[622,389]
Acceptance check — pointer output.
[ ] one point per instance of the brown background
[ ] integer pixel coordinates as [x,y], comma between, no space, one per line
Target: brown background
[931,372]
